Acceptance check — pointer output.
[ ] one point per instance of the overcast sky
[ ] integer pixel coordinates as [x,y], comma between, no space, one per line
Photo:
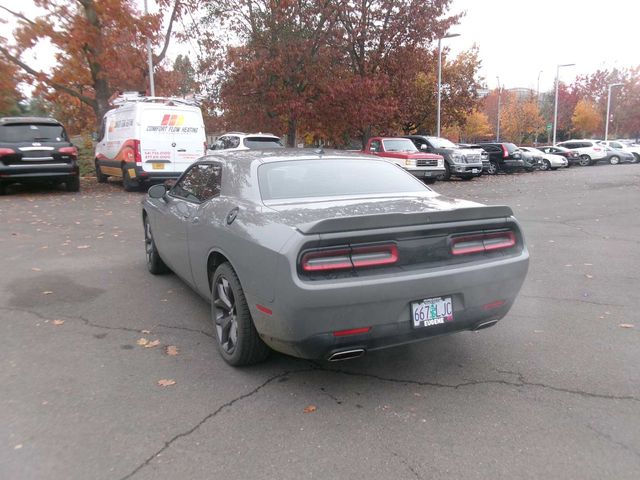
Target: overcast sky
[516,38]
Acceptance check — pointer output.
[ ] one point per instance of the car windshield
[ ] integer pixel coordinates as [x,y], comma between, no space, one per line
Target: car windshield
[258,143]
[399,145]
[334,178]
[32,133]
[441,143]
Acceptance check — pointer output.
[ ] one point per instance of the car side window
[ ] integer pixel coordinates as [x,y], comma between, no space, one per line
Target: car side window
[375,146]
[616,145]
[201,183]
[234,142]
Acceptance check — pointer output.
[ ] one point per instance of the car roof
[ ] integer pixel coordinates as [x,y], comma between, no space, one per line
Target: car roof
[284,154]
[28,120]
[259,134]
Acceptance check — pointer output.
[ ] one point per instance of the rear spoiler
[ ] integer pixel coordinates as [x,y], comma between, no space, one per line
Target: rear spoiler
[390,220]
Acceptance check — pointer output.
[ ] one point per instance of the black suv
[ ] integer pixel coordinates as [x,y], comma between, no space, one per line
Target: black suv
[458,162]
[36,149]
[504,157]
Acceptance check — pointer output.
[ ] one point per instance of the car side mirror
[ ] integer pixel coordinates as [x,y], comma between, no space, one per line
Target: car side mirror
[157,191]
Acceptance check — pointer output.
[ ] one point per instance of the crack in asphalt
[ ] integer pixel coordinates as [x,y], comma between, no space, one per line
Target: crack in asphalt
[84,320]
[572,300]
[211,415]
[406,463]
[187,329]
[612,440]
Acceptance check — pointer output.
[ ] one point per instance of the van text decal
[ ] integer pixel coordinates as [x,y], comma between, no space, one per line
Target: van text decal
[172,124]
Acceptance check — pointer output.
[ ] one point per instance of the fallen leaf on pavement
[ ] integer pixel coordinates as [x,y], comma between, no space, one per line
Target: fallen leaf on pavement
[155,343]
[626,325]
[310,409]
[47,292]
[142,342]
[36,269]
[165,382]
[588,276]
[83,246]
[171,350]
[146,332]
[58,322]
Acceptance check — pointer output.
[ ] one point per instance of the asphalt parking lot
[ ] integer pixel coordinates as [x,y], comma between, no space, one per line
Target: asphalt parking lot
[553,391]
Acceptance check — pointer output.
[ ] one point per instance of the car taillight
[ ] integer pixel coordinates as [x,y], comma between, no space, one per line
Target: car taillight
[482,242]
[6,151]
[505,152]
[347,258]
[597,149]
[73,151]
[137,155]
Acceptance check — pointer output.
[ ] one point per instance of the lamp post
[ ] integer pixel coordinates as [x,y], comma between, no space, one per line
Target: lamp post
[152,87]
[448,35]
[555,103]
[499,95]
[606,122]
[538,88]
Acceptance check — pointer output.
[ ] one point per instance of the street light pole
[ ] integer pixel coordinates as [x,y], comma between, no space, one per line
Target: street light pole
[555,103]
[449,35]
[152,87]
[498,125]
[538,104]
[606,123]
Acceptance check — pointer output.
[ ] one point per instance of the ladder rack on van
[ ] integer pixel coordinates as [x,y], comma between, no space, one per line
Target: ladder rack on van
[135,97]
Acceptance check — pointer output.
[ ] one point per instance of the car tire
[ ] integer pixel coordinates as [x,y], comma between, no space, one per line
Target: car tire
[128,183]
[72,184]
[467,177]
[238,340]
[636,158]
[553,168]
[429,181]
[493,168]
[3,189]
[155,265]
[585,160]
[546,165]
[615,160]
[100,177]
[447,172]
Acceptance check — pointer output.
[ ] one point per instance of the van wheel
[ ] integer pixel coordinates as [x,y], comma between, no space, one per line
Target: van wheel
[129,184]
[101,177]
[238,340]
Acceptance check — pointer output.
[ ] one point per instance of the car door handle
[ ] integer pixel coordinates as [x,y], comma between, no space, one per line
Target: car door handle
[182,149]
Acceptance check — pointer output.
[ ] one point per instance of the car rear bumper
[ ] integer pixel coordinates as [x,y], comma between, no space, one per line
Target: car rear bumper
[306,315]
[32,172]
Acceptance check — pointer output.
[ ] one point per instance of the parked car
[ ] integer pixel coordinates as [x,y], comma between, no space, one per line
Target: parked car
[548,161]
[402,151]
[458,162]
[36,149]
[571,156]
[484,156]
[246,141]
[295,258]
[503,157]
[625,147]
[532,160]
[590,151]
[148,139]
[616,156]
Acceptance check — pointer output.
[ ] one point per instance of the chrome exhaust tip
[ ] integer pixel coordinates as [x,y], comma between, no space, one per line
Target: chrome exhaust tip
[346,354]
[483,325]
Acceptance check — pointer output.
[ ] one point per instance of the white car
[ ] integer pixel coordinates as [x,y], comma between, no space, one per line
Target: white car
[590,151]
[632,149]
[550,161]
[234,141]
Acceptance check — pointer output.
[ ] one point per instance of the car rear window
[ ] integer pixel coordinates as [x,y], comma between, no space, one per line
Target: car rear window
[510,147]
[333,178]
[31,133]
[257,143]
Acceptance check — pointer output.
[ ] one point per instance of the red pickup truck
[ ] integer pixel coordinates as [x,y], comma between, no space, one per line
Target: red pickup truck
[427,166]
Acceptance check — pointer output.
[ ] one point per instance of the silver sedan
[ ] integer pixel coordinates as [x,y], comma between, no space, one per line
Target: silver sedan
[329,255]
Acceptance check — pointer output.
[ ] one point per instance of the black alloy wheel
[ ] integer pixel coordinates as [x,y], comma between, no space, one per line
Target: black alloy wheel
[238,340]
[155,265]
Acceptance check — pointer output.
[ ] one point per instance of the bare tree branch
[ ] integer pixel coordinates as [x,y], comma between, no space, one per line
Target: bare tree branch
[18,15]
[167,37]
[58,86]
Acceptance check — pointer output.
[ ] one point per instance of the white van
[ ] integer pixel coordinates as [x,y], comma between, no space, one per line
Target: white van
[148,138]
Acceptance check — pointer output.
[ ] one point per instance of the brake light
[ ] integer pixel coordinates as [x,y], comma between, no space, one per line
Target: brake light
[482,242]
[137,155]
[505,152]
[6,151]
[73,151]
[347,258]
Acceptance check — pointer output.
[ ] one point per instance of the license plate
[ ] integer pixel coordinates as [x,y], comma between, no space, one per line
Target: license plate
[157,166]
[475,170]
[432,311]
[427,174]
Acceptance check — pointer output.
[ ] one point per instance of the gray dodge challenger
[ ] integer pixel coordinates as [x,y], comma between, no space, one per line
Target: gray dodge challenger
[328,255]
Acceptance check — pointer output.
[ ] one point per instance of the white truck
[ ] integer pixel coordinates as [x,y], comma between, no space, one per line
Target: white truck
[148,138]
